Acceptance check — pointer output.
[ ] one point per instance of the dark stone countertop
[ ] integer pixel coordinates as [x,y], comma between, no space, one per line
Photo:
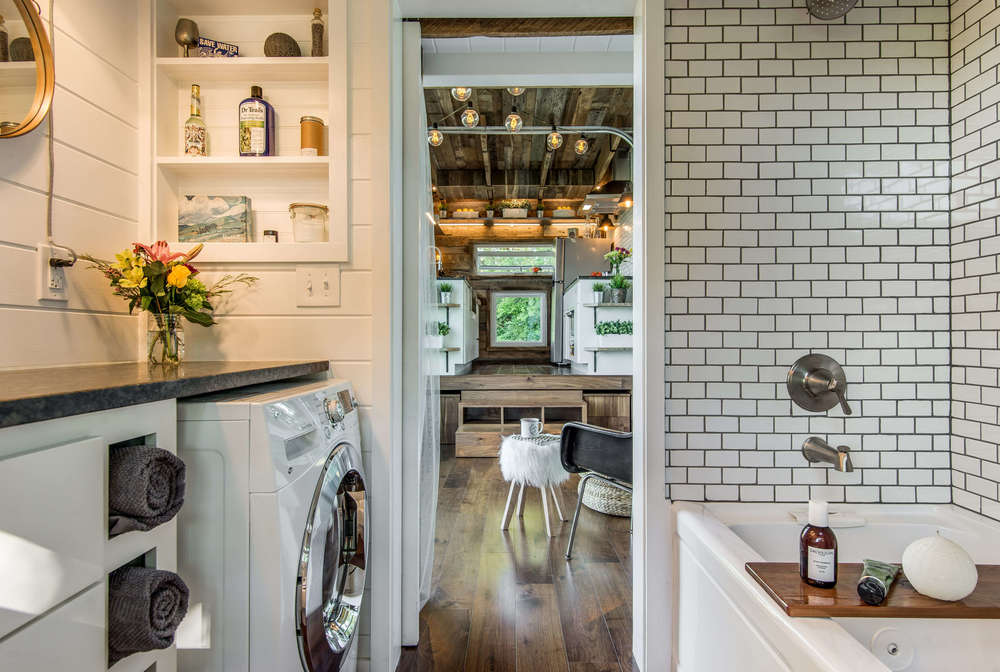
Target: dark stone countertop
[33,395]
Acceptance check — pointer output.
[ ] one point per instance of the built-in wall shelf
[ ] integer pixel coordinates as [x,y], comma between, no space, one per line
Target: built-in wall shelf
[187,71]
[18,73]
[295,87]
[216,167]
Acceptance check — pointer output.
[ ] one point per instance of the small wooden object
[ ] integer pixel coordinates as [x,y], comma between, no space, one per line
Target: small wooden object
[782,582]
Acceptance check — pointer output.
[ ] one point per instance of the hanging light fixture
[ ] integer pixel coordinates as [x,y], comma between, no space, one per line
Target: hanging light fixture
[435,137]
[516,90]
[581,146]
[470,118]
[461,93]
[554,140]
[513,123]
[626,200]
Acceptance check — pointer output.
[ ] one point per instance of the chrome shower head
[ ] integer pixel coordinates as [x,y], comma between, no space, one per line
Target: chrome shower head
[828,10]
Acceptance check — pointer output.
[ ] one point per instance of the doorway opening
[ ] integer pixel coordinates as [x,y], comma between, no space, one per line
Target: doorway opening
[528,317]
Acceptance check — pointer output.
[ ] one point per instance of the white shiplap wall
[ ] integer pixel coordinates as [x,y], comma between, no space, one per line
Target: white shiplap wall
[807,211]
[96,187]
[975,56]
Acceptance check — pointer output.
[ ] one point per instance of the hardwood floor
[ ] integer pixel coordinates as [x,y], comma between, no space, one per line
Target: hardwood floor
[509,601]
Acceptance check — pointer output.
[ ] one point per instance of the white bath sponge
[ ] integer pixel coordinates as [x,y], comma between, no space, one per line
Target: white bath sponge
[940,568]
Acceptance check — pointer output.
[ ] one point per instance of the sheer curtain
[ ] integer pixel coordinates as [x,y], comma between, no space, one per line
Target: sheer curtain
[430,436]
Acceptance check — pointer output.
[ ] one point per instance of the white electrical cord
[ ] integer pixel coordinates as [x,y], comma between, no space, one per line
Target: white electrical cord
[52,157]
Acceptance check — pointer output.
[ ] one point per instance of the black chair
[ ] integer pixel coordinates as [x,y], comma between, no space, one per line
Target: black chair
[605,455]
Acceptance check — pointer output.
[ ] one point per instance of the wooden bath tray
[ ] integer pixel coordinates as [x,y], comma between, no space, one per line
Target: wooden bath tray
[781,581]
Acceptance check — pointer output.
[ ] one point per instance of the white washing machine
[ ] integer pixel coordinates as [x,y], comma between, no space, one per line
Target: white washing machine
[273,536]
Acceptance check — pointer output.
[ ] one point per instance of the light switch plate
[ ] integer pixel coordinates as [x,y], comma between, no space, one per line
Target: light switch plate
[317,285]
[51,279]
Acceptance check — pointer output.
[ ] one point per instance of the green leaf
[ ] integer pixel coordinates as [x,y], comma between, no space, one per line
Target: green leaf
[203,319]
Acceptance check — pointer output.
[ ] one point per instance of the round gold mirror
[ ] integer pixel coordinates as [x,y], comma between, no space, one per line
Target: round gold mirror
[27,68]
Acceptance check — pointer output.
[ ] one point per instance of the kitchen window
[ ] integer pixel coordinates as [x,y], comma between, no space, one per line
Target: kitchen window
[517,319]
[516,259]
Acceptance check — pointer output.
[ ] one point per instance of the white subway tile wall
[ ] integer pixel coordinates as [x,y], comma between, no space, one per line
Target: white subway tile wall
[808,211]
[975,278]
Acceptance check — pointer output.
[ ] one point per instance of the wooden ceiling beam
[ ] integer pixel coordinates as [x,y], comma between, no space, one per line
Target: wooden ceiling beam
[542,27]
[604,163]
[524,178]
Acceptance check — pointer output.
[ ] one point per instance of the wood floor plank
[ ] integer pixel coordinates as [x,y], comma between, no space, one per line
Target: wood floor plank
[493,620]
[540,643]
[446,632]
[615,597]
[584,631]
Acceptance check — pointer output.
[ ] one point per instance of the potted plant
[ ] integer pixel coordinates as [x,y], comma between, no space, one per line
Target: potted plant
[436,339]
[489,210]
[598,288]
[614,334]
[619,287]
[445,289]
[516,208]
[165,286]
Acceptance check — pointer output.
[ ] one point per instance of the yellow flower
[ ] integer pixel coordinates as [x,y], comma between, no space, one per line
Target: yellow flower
[178,276]
[133,277]
[127,260]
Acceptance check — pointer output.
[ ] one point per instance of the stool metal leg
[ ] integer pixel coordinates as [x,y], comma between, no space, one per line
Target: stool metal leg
[520,502]
[508,509]
[555,499]
[545,512]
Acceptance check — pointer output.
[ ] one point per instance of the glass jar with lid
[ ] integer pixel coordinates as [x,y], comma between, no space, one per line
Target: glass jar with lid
[309,222]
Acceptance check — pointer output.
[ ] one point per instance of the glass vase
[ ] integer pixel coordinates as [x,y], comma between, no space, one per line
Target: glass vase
[164,339]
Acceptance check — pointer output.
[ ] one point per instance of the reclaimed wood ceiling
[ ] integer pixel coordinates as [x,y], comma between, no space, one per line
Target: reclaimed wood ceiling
[488,167]
[549,27]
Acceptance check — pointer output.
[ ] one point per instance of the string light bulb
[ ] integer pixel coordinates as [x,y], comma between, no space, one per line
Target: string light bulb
[470,118]
[461,93]
[516,90]
[626,200]
[581,146]
[554,140]
[513,122]
[435,137]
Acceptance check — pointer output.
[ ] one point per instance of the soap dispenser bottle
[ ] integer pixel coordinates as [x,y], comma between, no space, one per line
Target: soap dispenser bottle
[818,548]
[256,117]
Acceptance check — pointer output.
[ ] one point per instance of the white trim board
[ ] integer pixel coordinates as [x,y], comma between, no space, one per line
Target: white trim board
[484,9]
[528,69]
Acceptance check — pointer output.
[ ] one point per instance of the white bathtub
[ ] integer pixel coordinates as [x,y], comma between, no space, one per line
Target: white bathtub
[727,622]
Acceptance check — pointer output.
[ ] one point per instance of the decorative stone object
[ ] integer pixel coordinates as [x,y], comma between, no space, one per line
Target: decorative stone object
[938,567]
[20,50]
[281,44]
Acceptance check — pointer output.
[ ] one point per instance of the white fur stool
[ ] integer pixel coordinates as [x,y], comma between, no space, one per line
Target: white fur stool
[534,462]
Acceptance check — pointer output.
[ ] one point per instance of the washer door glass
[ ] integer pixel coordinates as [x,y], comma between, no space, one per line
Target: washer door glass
[331,576]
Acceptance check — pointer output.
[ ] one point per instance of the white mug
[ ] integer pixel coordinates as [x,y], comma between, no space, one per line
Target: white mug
[531,427]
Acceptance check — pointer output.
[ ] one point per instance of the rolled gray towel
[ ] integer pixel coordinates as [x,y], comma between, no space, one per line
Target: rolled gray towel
[145,489]
[145,606]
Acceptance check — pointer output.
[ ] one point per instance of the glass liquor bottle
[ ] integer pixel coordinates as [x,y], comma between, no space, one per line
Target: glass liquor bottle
[256,117]
[195,134]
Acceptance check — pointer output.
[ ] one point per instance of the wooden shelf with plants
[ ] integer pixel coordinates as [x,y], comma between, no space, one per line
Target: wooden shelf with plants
[296,87]
[500,221]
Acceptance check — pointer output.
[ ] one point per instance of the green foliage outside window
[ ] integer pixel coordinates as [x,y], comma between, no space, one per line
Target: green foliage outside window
[518,319]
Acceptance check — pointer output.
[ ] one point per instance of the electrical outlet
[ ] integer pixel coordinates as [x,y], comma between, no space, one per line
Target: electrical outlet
[51,279]
[317,285]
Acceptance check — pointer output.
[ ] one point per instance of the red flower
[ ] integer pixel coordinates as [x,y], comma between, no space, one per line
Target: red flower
[158,251]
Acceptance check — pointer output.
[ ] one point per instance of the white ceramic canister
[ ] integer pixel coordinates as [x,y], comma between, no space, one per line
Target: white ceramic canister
[531,427]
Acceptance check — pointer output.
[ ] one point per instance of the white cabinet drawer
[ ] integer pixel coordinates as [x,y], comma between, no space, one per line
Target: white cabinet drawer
[72,637]
[52,529]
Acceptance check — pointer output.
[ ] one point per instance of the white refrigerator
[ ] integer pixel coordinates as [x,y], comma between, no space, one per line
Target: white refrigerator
[575,258]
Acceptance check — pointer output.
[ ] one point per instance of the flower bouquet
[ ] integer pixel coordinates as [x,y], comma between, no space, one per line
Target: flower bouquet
[165,285]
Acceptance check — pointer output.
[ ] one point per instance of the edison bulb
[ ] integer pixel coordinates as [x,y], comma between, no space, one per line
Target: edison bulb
[435,137]
[513,123]
[581,146]
[515,90]
[470,118]
[554,140]
[461,93]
